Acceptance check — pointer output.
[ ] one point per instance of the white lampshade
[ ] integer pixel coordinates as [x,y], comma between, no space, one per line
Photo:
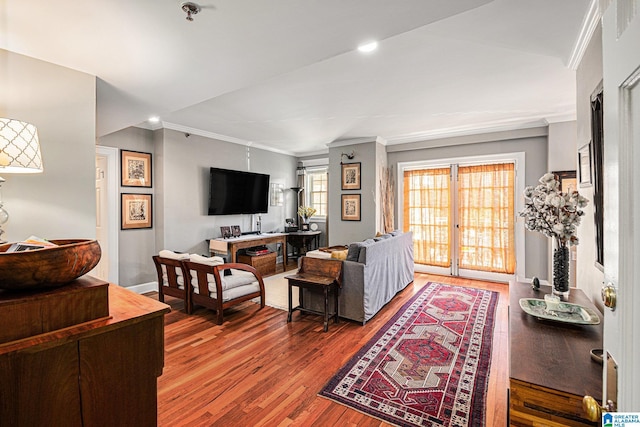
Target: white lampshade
[19,147]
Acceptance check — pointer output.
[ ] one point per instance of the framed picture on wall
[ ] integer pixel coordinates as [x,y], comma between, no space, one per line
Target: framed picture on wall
[351,176]
[135,169]
[351,207]
[136,211]
[568,181]
[584,165]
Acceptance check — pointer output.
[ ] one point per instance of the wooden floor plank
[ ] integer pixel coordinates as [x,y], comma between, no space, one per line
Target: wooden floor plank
[257,369]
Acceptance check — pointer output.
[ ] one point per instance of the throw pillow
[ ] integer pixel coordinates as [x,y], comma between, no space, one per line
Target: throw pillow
[354,251]
[214,260]
[165,253]
[339,254]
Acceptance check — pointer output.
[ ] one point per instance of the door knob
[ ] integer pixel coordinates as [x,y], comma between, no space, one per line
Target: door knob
[593,409]
[609,296]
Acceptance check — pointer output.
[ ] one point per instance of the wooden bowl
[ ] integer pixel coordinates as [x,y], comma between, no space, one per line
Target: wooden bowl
[48,267]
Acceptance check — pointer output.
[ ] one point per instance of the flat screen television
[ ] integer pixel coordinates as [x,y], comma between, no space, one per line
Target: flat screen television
[234,192]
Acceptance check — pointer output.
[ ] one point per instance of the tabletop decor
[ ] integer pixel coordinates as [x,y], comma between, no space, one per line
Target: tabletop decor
[306,212]
[39,267]
[556,214]
[429,365]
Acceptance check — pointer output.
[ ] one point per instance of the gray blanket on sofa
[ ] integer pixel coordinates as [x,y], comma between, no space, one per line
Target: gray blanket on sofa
[374,272]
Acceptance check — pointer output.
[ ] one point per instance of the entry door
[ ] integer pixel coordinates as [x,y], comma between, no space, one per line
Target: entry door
[621,70]
[101,270]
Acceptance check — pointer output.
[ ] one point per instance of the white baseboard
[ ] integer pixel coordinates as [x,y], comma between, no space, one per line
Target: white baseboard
[143,288]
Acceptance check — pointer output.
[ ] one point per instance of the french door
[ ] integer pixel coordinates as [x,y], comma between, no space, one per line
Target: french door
[463,218]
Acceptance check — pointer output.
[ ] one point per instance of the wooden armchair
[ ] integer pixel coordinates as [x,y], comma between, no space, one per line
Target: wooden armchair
[171,280]
[210,288]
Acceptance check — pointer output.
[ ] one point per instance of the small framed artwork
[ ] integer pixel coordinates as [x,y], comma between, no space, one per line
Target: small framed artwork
[568,181]
[584,165]
[235,231]
[276,196]
[225,231]
[351,176]
[136,169]
[351,207]
[136,211]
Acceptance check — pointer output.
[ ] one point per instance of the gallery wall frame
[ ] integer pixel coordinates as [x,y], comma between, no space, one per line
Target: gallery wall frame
[136,211]
[567,179]
[350,207]
[584,165]
[135,169]
[351,176]
[276,196]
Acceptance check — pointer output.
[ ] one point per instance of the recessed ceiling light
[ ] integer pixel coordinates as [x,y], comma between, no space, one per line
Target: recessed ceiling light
[368,47]
[154,119]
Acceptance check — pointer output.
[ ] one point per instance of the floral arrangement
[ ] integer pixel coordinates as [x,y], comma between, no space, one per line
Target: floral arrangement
[551,212]
[306,212]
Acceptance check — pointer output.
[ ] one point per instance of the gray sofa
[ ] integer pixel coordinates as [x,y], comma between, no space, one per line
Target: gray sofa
[373,273]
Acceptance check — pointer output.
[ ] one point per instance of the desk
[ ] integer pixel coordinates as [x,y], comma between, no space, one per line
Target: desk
[251,240]
[550,365]
[306,240]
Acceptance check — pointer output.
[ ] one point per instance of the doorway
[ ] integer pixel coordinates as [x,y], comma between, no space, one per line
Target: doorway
[462,213]
[107,213]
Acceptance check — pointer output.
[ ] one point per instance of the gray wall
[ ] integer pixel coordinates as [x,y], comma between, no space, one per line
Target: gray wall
[180,195]
[588,77]
[369,155]
[136,246]
[60,102]
[533,142]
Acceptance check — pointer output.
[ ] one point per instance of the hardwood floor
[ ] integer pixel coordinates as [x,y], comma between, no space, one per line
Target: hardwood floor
[257,370]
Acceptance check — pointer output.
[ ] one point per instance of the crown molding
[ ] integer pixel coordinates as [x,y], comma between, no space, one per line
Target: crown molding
[353,141]
[220,137]
[589,25]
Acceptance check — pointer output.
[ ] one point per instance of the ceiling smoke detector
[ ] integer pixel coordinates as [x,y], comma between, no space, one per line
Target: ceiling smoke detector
[191,9]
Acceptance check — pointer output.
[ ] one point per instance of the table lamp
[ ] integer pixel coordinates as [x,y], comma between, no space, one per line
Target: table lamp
[19,153]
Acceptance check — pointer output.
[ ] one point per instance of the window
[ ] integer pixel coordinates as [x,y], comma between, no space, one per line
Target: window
[316,190]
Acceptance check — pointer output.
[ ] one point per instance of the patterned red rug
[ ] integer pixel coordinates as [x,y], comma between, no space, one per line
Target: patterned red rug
[429,365]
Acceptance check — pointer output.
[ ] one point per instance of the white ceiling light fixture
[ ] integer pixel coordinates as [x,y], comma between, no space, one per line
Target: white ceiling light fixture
[190,9]
[154,119]
[368,47]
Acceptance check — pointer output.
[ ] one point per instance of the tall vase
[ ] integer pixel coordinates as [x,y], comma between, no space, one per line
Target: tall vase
[561,269]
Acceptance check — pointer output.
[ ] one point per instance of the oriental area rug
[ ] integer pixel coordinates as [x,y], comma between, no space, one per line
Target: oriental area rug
[429,365]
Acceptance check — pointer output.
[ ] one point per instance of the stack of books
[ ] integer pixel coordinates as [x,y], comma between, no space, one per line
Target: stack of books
[258,250]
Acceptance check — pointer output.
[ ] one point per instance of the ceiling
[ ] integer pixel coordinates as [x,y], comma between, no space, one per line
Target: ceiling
[285,74]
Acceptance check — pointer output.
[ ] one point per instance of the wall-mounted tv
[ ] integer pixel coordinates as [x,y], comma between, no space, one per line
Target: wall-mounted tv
[234,192]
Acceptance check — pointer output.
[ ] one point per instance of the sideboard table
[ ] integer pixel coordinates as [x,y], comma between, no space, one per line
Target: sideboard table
[550,364]
[101,371]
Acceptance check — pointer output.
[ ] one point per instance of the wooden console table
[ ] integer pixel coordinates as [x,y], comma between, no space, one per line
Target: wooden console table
[550,365]
[303,241]
[235,243]
[101,372]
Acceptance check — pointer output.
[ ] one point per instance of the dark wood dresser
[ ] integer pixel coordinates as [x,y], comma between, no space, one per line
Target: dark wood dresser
[85,354]
[550,364]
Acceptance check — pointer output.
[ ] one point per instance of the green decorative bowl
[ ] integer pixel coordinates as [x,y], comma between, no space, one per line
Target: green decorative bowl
[48,267]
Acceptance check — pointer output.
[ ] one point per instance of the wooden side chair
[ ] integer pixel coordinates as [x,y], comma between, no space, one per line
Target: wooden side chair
[211,288]
[171,277]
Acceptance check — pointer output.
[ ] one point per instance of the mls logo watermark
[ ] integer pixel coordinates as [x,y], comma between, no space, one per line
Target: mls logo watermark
[621,419]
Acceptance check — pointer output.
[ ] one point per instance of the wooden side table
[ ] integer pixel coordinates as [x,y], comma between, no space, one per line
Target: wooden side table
[550,364]
[317,275]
